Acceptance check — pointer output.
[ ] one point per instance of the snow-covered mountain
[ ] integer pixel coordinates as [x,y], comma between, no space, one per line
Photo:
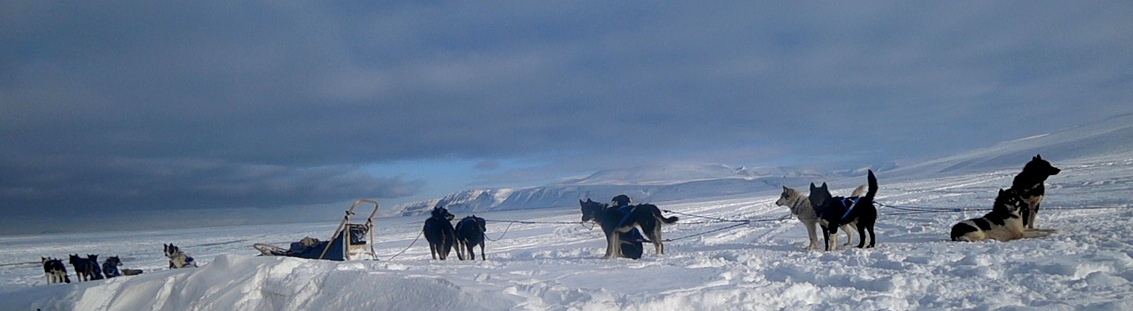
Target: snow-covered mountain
[677,181]
[643,184]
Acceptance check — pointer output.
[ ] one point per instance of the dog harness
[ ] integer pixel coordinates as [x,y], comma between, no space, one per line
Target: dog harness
[848,203]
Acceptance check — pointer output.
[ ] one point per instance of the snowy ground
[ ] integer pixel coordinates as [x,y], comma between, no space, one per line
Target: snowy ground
[1088,264]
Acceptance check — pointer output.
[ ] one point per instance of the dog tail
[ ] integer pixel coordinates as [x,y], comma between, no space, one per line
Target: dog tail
[662,217]
[872,185]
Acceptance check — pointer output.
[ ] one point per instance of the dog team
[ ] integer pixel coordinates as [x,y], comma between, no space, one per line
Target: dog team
[443,237]
[88,269]
[1012,215]
[626,226]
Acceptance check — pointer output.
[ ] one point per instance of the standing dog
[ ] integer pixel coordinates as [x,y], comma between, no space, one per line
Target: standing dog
[439,232]
[84,269]
[648,217]
[800,206]
[469,233]
[1029,185]
[629,245]
[838,211]
[1003,224]
[178,258]
[55,270]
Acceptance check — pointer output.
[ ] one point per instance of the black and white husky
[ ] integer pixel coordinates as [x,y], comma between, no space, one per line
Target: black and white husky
[54,270]
[178,258]
[800,206]
[838,211]
[1029,185]
[1004,222]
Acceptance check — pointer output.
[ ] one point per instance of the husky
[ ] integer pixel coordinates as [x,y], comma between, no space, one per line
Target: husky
[96,272]
[1004,222]
[178,258]
[469,233]
[646,216]
[800,206]
[838,211]
[1029,185]
[84,269]
[54,270]
[439,232]
[629,245]
[110,267]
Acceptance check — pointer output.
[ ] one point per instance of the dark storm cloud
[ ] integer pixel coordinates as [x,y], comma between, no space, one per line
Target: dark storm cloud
[219,103]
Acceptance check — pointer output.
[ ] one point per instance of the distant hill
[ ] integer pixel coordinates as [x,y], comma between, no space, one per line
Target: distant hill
[678,182]
[1110,136]
[642,184]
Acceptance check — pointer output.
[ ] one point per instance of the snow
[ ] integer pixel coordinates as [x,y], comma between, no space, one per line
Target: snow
[551,262]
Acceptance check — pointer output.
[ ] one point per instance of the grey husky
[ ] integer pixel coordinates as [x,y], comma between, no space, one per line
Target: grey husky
[800,206]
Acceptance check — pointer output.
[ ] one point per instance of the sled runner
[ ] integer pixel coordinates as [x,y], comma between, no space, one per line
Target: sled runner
[351,241]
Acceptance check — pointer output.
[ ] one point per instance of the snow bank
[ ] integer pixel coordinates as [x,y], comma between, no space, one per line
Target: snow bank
[238,282]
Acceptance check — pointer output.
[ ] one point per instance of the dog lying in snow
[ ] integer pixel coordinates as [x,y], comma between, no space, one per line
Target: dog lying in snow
[1004,222]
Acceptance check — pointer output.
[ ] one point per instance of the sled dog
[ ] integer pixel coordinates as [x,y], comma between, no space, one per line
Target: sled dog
[838,211]
[110,267]
[799,204]
[1029,185]
[629,244]
[84,269]
[649,218]
[1004,222]
[469,233]
[439,232]
[178,258]
[54,270]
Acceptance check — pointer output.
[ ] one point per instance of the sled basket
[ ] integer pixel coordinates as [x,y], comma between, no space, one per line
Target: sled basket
[351,241]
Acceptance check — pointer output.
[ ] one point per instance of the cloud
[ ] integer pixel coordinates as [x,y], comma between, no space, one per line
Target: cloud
[487,165]
[66,185]
[217,103]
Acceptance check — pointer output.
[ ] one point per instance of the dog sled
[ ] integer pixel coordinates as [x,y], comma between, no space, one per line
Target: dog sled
[351,241]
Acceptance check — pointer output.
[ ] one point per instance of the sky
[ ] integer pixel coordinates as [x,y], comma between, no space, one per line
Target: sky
[291,109]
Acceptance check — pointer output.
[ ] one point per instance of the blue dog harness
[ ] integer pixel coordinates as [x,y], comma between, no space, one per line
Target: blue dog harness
[848,203]
[625,209]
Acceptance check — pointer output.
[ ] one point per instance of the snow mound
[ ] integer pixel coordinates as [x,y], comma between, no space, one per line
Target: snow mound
[236,282]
